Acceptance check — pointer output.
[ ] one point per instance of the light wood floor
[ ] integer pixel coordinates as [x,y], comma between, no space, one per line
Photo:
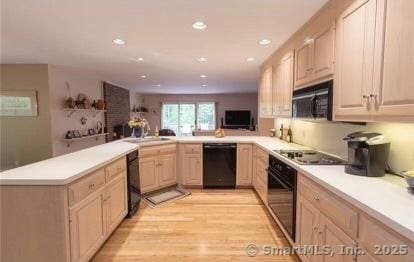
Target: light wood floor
[208,225]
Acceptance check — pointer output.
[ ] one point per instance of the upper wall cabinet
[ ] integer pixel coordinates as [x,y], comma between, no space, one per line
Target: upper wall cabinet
[265,93]
[283,86]
[315,58]
[393,92]
[374,76]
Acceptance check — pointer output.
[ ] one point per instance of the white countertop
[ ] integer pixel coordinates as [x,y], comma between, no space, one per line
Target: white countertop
[384,198]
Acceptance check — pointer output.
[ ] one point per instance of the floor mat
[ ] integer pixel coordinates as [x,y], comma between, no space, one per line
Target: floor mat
[163,197]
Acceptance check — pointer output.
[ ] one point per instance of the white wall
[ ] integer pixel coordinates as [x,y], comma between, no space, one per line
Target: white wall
[328,137]
[80,81]
[25,140]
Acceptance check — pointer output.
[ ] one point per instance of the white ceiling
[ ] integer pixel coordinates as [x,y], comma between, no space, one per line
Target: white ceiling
[79,33]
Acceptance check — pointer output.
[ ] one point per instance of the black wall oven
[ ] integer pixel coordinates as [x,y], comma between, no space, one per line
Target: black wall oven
[314,102]
[282,193]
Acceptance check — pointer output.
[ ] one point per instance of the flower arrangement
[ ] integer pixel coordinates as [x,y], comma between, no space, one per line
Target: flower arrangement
[138,123]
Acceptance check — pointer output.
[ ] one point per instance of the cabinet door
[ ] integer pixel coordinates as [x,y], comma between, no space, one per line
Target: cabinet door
[332,236]
[116,200]
[307,226]
[355,61]
[265,103]
[148,173]
[167,173]
[277,87]
[394,93]
[287,84]
[244,164]
[323,45]
[254,167]
[87,227]
[192,169]
[303,63]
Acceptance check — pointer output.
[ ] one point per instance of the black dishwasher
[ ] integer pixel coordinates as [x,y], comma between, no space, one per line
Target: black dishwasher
[219,165]
[134,192]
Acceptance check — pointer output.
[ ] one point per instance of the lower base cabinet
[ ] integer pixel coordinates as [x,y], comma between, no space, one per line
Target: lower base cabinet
[329,223]
[157,167]
[93,219]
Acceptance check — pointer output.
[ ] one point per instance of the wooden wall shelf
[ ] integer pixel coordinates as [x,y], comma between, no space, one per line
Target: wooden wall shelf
[70,111]
[70,141]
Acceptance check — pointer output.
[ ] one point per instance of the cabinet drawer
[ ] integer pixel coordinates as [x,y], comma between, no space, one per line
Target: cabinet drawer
[85,186]
[112,170]
[375,238]
[157,150]
[337,210]
[192,148]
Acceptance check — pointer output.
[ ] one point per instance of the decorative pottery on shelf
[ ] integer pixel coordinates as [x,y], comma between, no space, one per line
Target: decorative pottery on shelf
[140,127]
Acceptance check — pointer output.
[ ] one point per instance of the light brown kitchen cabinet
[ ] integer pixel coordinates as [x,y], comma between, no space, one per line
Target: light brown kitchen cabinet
[88,229]
[157,167]
[260,174]
[307,226]
[193,169]
[166,169]
[148,169]
[341,245]
[116,201]
[314,58]
[355,60]
[265,94]
[393,91]
[282,82]
[303,64]
[373,74]
[244,164]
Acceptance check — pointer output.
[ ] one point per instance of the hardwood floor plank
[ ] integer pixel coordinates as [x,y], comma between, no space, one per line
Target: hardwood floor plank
[208,225]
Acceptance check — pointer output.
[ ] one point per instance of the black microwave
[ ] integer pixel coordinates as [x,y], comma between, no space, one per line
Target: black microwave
[314,102]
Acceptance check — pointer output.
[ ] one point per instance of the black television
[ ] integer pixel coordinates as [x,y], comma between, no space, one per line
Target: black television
[237,118]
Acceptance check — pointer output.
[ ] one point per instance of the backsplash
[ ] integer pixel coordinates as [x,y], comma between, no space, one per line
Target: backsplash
[328,137]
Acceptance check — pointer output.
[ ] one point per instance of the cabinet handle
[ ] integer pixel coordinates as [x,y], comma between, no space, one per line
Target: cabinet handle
[373,96]
[316,198]
[365,97]
[315,228]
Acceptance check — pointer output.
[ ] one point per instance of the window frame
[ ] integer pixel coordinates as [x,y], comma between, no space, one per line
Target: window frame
[196,113]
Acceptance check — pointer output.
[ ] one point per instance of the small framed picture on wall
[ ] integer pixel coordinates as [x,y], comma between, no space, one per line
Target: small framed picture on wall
[18,103]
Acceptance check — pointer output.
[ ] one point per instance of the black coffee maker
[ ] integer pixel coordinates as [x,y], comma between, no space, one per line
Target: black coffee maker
[367,154]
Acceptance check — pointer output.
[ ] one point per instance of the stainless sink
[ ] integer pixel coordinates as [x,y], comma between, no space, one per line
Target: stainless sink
[145,140]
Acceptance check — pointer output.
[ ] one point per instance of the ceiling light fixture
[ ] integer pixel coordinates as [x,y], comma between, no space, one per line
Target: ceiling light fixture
[203,76]
[143,76]
[119,41]
[202,59]
[203,85]
[264,42]
[158,85]
[199,25]
[250,59]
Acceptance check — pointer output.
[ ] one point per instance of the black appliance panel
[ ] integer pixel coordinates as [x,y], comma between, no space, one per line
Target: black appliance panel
[282,193]
[313,102]
[133,183]
[219,165]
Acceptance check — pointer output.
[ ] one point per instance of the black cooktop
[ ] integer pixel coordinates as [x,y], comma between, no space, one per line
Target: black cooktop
[310,157]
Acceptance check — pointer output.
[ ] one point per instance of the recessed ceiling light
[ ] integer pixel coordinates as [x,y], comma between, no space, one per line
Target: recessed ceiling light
[264,42]
[158,85]
[202,59]
[119,41]
[250,59]
[199,25]
[143,76]
[203,76]
[203,85]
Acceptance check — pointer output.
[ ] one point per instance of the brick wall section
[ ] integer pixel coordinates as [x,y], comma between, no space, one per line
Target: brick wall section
[117,107]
